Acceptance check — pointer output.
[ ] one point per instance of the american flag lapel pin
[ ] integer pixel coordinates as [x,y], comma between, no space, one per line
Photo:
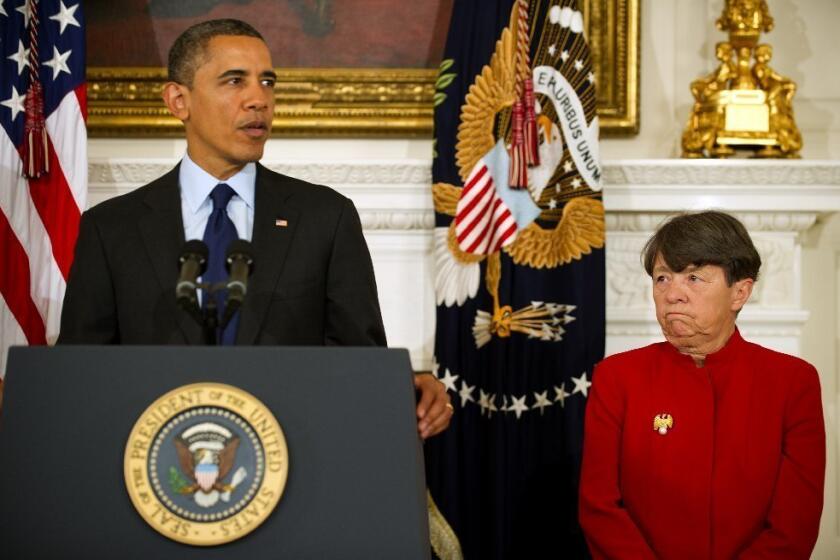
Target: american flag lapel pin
[280,222]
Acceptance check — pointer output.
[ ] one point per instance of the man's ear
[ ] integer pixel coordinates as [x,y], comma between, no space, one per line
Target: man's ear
[741,292]
[177,99]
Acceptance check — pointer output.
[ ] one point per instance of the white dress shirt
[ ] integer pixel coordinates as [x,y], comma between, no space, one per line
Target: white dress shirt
[196,205]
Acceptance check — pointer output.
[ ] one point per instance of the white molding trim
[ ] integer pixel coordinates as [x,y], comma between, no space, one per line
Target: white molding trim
[397,220]
[395,195]
[638,173]
[777,221]
[355,173]
[736,185]
[733,172]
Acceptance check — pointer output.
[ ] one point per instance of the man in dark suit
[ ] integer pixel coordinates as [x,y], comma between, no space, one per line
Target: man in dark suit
[312,282]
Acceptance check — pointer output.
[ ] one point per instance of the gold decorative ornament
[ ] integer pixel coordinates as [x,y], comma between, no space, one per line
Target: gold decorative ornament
[744,103]
[662,423]
[445,542]
[369,102]
[206,464]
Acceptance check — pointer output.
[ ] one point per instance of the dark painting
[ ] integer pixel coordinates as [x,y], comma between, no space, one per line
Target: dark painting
[300,33]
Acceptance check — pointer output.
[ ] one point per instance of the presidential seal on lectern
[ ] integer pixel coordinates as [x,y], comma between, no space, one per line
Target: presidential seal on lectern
[206,464]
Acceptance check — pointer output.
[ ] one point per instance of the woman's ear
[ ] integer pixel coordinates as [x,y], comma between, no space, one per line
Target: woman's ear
[741,292]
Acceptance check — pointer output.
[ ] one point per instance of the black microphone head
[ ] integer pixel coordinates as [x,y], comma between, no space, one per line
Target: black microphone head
[239,249]
[197,248]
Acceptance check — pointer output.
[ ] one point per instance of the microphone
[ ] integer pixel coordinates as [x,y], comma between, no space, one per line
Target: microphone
[239,264]
[192,263]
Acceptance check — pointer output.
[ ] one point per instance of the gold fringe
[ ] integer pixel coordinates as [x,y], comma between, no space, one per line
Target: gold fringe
[445,542]
[492,277]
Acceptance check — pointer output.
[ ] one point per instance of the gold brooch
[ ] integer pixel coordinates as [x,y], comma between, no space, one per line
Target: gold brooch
[662,423]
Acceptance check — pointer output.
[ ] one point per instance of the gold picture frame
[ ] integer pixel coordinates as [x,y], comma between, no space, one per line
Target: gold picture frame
[358,102]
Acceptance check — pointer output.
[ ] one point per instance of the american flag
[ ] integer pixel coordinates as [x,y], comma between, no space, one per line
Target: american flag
[42,43]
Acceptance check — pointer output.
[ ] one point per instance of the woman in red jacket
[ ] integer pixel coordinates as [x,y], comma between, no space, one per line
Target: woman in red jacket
[705,446]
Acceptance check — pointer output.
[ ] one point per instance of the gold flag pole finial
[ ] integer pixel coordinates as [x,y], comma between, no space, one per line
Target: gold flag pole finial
[744,103]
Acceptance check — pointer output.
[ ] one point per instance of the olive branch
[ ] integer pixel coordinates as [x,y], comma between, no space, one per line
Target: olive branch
[441,84]
[176,481]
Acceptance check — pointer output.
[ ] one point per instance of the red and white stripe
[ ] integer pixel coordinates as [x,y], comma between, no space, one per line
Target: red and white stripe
[39,222]
[483,223]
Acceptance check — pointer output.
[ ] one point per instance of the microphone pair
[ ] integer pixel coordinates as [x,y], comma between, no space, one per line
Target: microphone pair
[192,264]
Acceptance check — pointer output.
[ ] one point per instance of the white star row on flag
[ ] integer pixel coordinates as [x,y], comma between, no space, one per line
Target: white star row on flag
[15,103]
[24,9]
[21,57]
[579,65]
[487,401]
[64,17]
[58,62]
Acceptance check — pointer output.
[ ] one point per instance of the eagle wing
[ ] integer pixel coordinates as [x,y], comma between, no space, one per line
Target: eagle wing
[227,456]
[185,458]
[580,229]
[493,90]
[445,197]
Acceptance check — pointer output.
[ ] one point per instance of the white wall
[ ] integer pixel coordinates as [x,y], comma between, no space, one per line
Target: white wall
[820,338]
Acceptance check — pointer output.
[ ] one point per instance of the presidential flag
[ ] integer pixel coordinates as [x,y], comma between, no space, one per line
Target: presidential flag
[519,280]
[43,163]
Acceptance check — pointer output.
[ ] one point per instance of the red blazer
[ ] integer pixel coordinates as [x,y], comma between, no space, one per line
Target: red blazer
[740,473]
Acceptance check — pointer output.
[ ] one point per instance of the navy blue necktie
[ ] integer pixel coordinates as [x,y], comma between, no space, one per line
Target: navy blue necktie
[218,234]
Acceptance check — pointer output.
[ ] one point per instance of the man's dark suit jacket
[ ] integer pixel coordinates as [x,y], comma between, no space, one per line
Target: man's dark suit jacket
[312,281]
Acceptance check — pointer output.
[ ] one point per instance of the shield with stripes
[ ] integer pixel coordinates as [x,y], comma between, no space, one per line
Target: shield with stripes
[489,213]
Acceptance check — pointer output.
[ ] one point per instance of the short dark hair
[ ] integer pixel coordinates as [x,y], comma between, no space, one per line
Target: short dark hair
[702,238]
[187,51]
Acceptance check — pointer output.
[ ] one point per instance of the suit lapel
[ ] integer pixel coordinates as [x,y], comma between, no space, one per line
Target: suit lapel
[162,230]
[271,244]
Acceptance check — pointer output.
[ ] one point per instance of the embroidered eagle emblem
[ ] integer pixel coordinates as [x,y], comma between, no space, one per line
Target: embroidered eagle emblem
[207,454]
[559,217]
